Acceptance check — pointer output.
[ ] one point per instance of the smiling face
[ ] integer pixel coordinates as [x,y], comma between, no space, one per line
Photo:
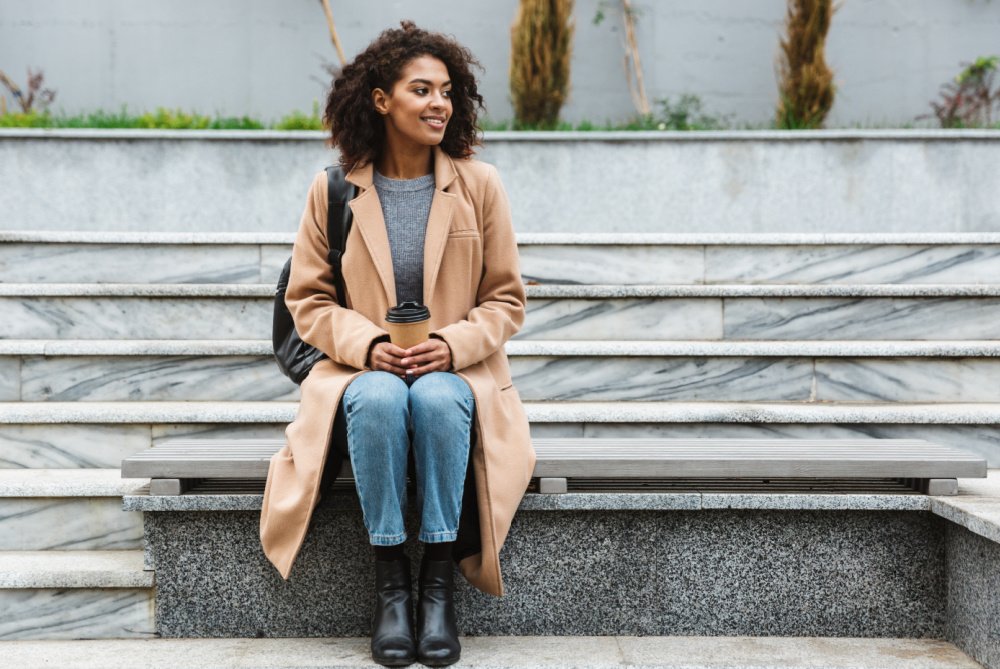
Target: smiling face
[418,107]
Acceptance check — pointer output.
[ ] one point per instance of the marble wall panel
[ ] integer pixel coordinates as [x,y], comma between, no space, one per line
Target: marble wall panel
[565,319]
[983,440]
[801,573]
[618,265]
[673,378]
[70,446]
[256,378]
[181,431]
[129,263]
[272,258]
[147,378]
[78,613]
[68,523]
[848,263]
[556,430]
[623,319]
[909,380]
[935,318]
[135,318]
[10,379]
[973,567]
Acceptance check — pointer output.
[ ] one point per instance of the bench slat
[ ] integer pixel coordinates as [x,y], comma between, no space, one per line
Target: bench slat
[601,458]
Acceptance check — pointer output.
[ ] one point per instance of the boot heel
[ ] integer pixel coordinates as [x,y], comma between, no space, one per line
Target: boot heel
[393,643]
[437,632]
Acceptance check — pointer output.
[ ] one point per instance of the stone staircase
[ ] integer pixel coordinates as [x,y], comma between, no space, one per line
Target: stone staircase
[111,342]
[527,652]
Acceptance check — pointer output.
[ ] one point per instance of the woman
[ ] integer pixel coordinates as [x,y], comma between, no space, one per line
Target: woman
[432,224]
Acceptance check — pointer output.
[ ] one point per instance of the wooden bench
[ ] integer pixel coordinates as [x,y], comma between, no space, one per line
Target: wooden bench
[175,466]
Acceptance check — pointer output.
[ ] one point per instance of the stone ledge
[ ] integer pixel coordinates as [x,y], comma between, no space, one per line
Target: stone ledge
[73,569]
[525,238]
[569,291]
[140,134]
[912,413]
[67,483]
[752,238]
[976,507]
[146,238]
[528,652]
[263,347]
[550,291]
[646,501]
[616,136]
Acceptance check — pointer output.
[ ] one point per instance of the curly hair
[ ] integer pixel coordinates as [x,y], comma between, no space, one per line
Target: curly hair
[358,130]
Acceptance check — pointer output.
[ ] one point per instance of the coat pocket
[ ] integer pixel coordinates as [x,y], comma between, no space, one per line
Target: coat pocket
[459,234]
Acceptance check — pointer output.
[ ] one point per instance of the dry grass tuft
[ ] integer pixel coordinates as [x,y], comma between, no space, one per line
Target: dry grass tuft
[805,82]
[541,46]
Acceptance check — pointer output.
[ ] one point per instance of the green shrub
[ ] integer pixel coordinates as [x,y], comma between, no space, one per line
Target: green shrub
[31,119]
[969,101]
[686,114]
[297,120]
[161,119]
[165,119]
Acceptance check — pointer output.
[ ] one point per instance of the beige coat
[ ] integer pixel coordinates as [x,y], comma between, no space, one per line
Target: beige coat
[473,288]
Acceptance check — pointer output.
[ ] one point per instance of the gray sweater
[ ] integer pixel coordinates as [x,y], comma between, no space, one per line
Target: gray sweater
[406,204]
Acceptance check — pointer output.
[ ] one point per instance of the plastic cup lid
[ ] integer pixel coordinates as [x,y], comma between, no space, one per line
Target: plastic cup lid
[407,312]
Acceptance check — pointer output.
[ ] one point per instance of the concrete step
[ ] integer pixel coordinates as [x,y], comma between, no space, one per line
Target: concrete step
[70,509]
[86,594]
[73,569]
[583,258]
[171,370]
[506,651]
[598,312]
[100,434]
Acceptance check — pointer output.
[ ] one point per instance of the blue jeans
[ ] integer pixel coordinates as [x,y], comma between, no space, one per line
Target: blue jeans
[381,412]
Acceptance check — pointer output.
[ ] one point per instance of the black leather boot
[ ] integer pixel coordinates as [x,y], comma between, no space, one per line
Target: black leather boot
[437,633]
[393,644]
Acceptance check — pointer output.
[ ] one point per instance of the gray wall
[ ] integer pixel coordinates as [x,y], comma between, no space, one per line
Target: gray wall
[256,181]
[263,57]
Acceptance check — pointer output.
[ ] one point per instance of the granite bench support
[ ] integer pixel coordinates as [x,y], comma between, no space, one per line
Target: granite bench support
[928,468]
[712,560]
[591,563]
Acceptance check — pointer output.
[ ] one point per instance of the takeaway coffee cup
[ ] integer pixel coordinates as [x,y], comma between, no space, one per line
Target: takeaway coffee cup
[408,324]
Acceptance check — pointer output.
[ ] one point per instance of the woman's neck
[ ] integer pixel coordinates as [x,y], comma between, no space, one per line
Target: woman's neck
[405,163]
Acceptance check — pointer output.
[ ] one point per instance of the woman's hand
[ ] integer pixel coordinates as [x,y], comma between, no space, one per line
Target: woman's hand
[385,357]
[433,355]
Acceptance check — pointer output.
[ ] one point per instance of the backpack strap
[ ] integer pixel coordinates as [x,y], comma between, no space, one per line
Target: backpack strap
[338,224]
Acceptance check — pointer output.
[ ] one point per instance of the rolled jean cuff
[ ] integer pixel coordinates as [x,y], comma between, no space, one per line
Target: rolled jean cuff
[437,537]
[383,540]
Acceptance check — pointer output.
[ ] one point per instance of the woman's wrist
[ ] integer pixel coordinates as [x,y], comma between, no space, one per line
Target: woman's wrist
[451,357]
[371,348]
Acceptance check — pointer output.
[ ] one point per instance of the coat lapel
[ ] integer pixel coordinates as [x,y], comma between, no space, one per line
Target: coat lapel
[368,220]
[371,224]
[438,221]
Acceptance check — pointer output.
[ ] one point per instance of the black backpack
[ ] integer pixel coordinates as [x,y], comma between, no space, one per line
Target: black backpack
[295,357]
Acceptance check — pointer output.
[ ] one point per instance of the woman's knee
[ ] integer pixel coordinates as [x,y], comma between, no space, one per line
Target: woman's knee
[440,391]
[380,393]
